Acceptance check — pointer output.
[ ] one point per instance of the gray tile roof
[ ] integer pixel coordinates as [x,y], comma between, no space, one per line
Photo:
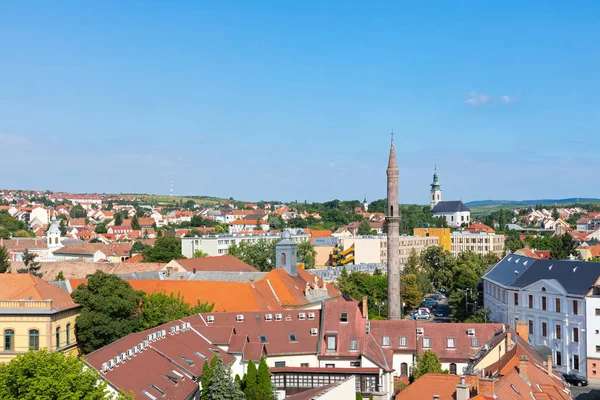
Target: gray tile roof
[215,276]
[450,206]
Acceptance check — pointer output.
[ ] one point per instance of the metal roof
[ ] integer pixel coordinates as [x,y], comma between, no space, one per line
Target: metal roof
[450,206]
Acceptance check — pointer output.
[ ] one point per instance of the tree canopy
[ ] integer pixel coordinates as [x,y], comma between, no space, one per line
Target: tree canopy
[159,308]
[427,363]
[165,249]
[31,266]
[77,212]
[222,386]
[48,376]
[4,260]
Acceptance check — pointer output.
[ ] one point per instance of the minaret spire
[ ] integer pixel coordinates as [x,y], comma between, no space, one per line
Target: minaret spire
[393,240]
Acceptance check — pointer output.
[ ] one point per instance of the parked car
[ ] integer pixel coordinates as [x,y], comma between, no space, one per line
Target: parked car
[421,315]
[575,380]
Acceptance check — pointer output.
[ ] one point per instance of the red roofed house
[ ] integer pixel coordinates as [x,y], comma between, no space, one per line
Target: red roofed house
[247,225]
[226,263]
[476,227]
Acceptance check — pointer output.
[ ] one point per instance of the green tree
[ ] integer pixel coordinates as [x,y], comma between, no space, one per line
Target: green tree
[222,385]
[359,396]
[165,249]
[118,219]
[364,229]
[513,242]
[411,294]
[555,214]
[276,221]
[307,254]
[199,254]
[23,233]
[562,246]
[31,266]
[51,375]
[258,225]
[205,379]
[100,228]
[438,264]
[427,363]
[251,382]
[159,308]
[77,212]
[413,267]
[4,260]
[110,310]
[264,387]
[135,223]
[59,277]
[139,247]
[261,255]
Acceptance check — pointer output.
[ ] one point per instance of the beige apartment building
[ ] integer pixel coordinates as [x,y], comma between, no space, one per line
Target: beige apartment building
[373,249]
[481,243]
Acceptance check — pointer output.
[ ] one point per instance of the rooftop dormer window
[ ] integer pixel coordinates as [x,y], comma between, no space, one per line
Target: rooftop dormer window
[344,317]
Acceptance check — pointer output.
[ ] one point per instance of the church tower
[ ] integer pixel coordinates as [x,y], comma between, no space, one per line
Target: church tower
[436,191]
[286,254]
[53,235]
[365,205]
[393,238]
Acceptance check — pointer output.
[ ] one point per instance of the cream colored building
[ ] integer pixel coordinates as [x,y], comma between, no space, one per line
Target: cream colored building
[481,243]
[34,314]
[373,249]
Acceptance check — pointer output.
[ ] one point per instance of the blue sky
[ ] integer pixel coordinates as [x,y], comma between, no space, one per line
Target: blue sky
[296,100]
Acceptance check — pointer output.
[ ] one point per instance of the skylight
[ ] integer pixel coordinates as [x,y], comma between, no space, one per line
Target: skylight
[158,390]
[171,379]
[263,338]
[202,356]
[292,337]
[188,362]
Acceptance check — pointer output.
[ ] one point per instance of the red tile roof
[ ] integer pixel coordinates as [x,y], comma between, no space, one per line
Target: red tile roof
[227,263]
[479,227]
[30,287]
[443,385]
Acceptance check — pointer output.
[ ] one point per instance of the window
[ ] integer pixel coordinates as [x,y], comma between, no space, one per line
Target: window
[68,334]
[331,345]
[9,340]
[558,332]
[530,301]
[452,369]
[344,317]
[530,327]
[355,364]
[557,305]
[292,337]
[402,341]
[449,342]
[474,343]
[576,335]
[516,299]
[544,329]
[575,310]
[283,258]
[58,337]
[385,341]
[354,345]
[544,303]
[279,364]
[426,342]
[558,358]
[262,338]
[34,339]
[576,362]
[597,349]
[329,365]
[597,312]
[404,369]
[158,390]
[304,365]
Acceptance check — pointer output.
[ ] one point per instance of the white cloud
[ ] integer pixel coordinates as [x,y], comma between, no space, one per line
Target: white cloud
[476,99]
[509,99]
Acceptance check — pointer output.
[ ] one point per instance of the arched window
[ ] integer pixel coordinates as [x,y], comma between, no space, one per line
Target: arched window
[9,340]
[55,240]
[433,197]
[68,334]
[543,289]
[57,337]
[34,339]
[452,369]
[283,258]
[404,369]
[438,196]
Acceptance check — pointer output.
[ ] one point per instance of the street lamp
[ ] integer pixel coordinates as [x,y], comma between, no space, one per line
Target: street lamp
[379,304]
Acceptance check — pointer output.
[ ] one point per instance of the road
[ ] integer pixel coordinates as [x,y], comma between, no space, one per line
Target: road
[591,392]
[444,309]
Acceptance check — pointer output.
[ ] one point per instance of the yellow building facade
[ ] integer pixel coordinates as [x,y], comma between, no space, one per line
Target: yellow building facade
[34,314]
[442,233]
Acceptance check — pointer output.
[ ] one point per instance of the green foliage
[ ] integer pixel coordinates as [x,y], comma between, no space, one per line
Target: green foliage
[199,254]
[111,310]
[560,246]
[100,228]
[165,249]
[251,382]
[77,212]
[276,221]
[427,363]
[513,242]
[411,293]
[222,385]
[359,284]
[261,255]
[23,233]
[31,266]
[359,396]
[135,223]
[413,267]
[48,376]
[139,247]
[118,219]
[59,276]
[159,308]
[307,254]
[364,229]
[10,224]
[198,221]
[264,387]
[437,263]
[4,260]
[205,379]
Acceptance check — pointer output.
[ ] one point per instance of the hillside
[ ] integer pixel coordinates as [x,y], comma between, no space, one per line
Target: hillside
[486,203]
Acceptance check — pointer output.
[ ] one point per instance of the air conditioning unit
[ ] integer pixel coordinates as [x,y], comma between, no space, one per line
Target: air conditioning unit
[172,330]
[311,315]
[301,315]
[149,337]
[111,363]
[239,318]
[140,347]
[183,326]
[210,319]
[117,360]
[471,332]
[163,333]
[154,336]
[368,327]
[420,331]
[135,350]
[314,331]
[188,325]
[123,357]
[176,328]
[104,367]
[278,317]
[129,354]
[268,317]
[145,344]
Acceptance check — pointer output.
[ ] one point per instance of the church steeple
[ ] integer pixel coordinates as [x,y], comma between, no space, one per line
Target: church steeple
[436,191]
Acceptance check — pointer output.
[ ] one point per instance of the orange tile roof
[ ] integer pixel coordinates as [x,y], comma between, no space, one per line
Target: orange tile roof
[478,227]
[321,233]
[225,262]
[30,287]
[426,386]
[248,222]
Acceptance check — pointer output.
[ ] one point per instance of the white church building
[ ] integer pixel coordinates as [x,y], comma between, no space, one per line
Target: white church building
[456,213]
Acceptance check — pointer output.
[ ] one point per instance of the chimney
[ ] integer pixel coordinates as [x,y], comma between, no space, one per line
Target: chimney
[462,390]
[487,387]
[436,397]
[365,310]
[523,330]
[549,364]
[523,365]
[509,342]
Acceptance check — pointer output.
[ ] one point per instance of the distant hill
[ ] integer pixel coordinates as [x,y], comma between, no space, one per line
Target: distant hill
[485,203]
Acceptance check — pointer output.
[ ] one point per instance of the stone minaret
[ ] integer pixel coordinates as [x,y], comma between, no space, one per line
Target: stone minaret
[436,191]
[393,239]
